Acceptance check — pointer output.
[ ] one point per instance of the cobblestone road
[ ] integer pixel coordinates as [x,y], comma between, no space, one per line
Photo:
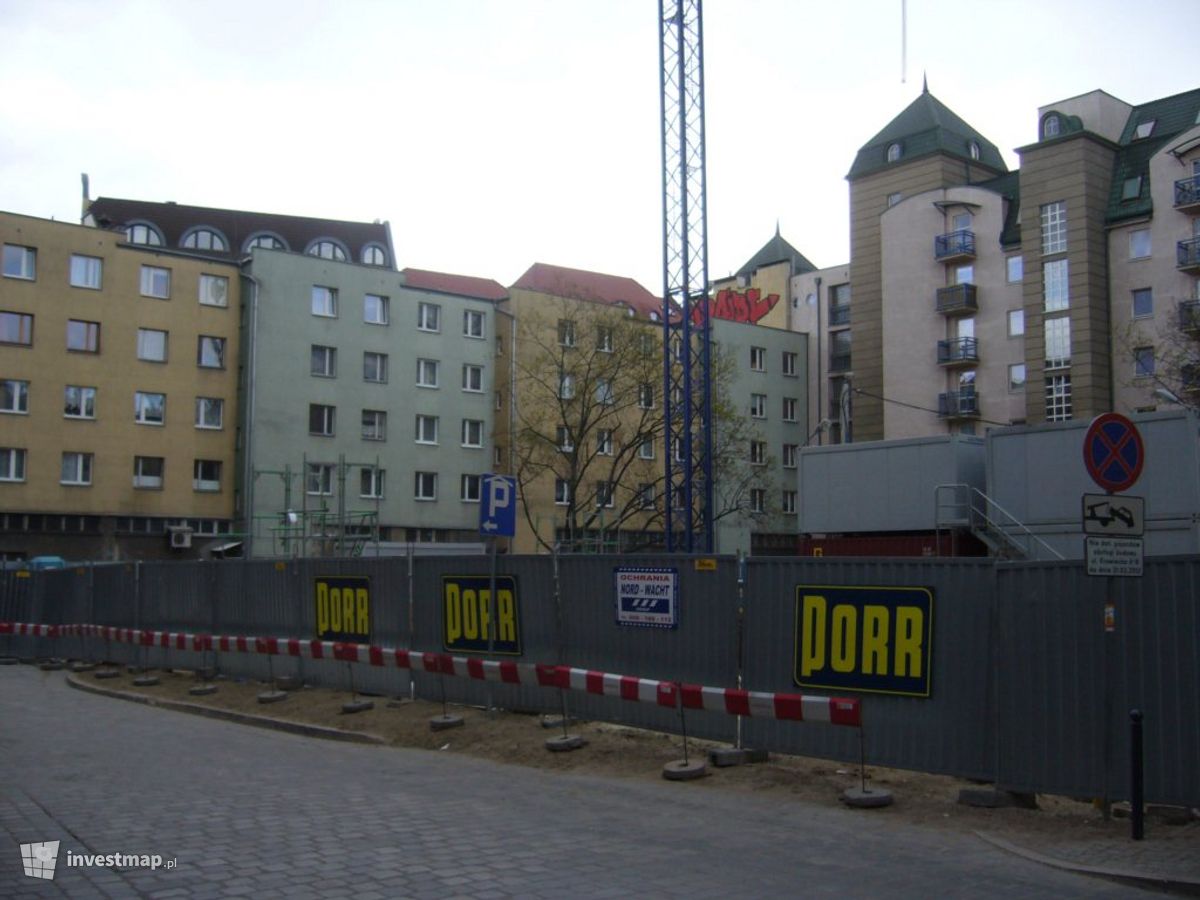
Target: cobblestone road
[251,812]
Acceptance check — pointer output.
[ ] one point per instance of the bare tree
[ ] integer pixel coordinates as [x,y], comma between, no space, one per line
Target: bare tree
[1165,355]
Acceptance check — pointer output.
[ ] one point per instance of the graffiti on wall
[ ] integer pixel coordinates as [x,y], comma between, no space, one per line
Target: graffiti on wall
[735,306]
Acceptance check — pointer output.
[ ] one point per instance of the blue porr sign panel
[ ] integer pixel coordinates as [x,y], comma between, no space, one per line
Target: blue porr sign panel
[647,597]
[876,640]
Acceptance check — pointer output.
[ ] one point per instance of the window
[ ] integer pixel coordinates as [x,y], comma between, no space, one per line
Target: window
[1015,267]
[152,345]
[143,234]
[1055,285]
[790,455]
[758,500]
[647,344]
[149,408]
[789,364]
[86,271]
[370,483]
[375,309]
[758,359]
[375,367]
[789,409]
[210,412]
[429,317]
[497,456]
[1144,129]
[427,373]
[214,290]
[604,392]
[204,239]
[1016,378]
[206,475]
[16,328]
[374,256]
[604,493]
[562,492]
[604,338]
[472,378]
[83,337]
[758,406]
[961,221]
[566,333]
[210,352]
[1016,322]
[14,396]
[894,198]
[156,282]
[1058,398]
[964,274]
[894,152]
[1131,188]
[646,395]
[374,425]
[604,442]
[326,250]
[472,323]
[20,262]
[973,150]
[1143,362]
[324,301]
[76,468]
[789,503]
[563,439]
[566,386]
[1054,227]
[646,449]
[427,430]
[266,241]
[758,453]
[323,361]
[12,464]
[1143,302]
[468,491]
[645,495]
[148,472]
[1058,342]
[1050,126]
[321,419]
[425,485]
[472,433]
[499,400]
[318,480]
[79,402]
[1139,243]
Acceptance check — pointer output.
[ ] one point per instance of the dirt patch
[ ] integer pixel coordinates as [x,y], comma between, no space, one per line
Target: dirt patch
[619,751]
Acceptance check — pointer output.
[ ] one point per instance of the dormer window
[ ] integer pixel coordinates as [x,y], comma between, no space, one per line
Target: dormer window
[973,149]
[1051,126]
[326,250]
[893,152]
[204,239]
[266,241]
[1132,188]
[143,234]
[373,255]
[1144,129]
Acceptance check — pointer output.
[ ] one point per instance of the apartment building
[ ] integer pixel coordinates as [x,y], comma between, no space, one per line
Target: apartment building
[119,388]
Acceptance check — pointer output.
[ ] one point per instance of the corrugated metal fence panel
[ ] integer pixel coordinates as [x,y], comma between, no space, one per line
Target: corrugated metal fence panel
[946,732]
[16,588]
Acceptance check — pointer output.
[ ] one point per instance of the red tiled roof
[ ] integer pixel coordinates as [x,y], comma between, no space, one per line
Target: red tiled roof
[446,283]
[577,284]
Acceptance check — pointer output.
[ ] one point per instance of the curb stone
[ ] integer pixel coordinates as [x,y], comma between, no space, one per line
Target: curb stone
[301,728]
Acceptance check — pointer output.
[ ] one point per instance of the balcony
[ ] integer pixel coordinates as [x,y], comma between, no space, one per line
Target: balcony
[1189,316]
[958,300]
[1187,256]
[1187,193]
[962,404]
[954,246]
[958,351]
[839,315]
[839,362]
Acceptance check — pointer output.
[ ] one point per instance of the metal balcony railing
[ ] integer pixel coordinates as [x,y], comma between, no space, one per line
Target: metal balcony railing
[1187,255]
[954,245]
[839,315]
[962,404]
[1189,315]
[839,362]
[957,300]
[958,350]
[1187,192]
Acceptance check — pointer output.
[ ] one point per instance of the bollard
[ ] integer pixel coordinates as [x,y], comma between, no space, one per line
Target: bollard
[1136,804]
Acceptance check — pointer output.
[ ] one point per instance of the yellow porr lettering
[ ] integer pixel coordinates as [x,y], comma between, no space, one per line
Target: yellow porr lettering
[322,607]
[875,640]
[910,622]
[506,613]
[843,643]
[362,626]
[453,613]
[812,642]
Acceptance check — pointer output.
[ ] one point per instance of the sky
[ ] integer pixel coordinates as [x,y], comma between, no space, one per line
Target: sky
[493,134]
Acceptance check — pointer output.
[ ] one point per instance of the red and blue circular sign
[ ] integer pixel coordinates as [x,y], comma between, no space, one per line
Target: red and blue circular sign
[1113,452]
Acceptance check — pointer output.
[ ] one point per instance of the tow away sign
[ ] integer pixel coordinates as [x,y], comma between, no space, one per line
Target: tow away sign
[1114,515]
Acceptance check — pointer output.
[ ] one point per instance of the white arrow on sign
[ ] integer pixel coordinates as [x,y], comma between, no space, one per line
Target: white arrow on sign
[489,526]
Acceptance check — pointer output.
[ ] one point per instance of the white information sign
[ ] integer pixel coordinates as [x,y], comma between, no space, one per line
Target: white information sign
[1111,556]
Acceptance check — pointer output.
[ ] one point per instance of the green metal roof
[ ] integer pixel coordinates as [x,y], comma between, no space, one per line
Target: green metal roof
[1171,116]
[1008,186]
[925,127]
[777,250]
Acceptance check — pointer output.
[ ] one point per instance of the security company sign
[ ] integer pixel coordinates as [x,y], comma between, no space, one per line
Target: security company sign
[467,616]
[343,607]
[647,597]
[876,640]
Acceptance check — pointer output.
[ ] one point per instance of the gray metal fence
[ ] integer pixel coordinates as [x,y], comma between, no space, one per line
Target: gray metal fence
[1028,689]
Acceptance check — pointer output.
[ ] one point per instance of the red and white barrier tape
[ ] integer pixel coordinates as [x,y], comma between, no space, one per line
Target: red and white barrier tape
[755,704]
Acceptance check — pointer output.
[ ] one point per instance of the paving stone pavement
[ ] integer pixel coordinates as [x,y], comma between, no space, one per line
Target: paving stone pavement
[247,812]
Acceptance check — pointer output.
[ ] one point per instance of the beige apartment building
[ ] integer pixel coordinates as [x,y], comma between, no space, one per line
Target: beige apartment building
[118,385]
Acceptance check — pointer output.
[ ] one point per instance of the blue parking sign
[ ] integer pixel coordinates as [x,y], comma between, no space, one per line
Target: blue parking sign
[498,506]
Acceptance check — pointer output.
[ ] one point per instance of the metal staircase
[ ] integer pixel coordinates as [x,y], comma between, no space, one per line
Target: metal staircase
[964,506]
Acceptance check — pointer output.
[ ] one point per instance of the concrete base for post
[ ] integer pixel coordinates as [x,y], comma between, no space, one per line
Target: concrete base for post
[51,665]
[565,742]
[443,723]
[271,696]
[357,706]
[82,666]
[202,690]
[995,798]
[106,673]
[288,683]
[146,680]
[735,756]
[556,722]
[866,798]
[681,770]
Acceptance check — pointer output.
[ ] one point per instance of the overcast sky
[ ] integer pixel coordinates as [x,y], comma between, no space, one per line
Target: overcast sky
[496,133]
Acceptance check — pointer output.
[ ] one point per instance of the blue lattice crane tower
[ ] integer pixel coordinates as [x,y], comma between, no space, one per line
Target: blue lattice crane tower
[687,345]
